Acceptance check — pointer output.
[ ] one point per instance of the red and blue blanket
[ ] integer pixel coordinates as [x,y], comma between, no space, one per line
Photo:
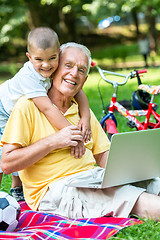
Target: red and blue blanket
[37,226]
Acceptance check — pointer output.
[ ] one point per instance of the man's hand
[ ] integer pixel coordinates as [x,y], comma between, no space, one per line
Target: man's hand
[15,157]
[70,136]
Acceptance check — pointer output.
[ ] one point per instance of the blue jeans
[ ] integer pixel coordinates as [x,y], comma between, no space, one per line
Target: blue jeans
[3,120]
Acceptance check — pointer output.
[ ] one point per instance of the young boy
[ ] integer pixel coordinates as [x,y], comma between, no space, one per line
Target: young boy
[34,80]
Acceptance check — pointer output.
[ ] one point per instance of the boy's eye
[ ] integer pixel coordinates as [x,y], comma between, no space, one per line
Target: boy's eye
[53,58]
[38,59]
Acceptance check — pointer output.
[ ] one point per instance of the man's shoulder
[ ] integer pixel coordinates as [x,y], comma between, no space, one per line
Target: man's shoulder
[24,103]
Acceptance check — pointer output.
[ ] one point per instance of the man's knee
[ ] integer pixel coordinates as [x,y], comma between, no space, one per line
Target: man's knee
[147,206]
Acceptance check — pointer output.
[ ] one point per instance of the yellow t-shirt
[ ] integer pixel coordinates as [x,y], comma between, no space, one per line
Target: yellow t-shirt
[27,125]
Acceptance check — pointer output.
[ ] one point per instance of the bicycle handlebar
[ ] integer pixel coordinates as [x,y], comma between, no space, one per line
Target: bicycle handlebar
[115,83]
[142,71]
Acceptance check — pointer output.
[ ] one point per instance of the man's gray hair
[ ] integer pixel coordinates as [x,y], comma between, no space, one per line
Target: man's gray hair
[80,46]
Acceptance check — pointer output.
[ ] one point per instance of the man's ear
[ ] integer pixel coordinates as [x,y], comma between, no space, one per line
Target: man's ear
[84,81]
[86,78]
[28,55]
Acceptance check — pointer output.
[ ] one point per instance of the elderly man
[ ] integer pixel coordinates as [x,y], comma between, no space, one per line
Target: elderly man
[42,156]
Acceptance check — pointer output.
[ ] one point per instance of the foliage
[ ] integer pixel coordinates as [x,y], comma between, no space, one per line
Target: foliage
[13,20]
[69,18]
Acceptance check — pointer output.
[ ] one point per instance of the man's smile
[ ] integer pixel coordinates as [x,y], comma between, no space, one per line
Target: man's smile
[69,81]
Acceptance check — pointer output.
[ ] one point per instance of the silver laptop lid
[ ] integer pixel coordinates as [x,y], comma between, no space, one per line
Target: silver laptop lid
[133,156]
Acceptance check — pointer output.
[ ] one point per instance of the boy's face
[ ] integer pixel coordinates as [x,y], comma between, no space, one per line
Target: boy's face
[45,61]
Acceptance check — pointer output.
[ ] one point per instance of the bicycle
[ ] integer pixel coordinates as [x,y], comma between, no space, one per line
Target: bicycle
[109,122]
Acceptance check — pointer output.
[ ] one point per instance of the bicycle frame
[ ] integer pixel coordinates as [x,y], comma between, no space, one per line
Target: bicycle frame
[130,115]
[110,120]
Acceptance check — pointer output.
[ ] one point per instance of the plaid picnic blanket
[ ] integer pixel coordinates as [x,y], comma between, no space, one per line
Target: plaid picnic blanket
[36,225]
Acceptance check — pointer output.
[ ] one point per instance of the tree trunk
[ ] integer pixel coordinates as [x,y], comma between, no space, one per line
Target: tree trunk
[33,13]
[67,26]
[39,15]
[135,18]
[71,24]
[153,34]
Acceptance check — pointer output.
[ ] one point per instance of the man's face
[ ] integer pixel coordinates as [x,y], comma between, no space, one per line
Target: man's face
[45,61]
[72,72]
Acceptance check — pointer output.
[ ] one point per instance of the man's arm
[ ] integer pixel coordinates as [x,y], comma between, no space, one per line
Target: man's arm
[15,157]
[101,159]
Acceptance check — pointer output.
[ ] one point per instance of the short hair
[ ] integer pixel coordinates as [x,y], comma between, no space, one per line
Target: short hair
[42,37]
[83,48]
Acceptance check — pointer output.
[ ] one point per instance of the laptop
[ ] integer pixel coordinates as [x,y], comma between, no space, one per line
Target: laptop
[133,157]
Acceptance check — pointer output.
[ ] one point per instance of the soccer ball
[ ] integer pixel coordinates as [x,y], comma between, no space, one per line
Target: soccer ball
[9,211]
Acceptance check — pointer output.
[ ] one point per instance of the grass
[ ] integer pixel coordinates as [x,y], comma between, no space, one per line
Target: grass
[150,230]
[6,183]
[122,56]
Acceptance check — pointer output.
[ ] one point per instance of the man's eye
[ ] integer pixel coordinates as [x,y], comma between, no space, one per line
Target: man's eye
[81,70]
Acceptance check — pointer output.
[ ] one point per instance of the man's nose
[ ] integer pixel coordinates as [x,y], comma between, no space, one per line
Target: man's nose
[74,71]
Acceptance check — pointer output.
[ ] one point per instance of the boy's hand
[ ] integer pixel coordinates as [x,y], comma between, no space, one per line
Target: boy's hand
[79,150]
[85,127]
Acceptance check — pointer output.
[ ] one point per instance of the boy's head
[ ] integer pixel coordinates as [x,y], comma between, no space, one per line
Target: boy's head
[43,50]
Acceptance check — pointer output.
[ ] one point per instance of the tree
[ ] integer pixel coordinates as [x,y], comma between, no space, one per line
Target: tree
[69,11]
[13,21]
[19,16]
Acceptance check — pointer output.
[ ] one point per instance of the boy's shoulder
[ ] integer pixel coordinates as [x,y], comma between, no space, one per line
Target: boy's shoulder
[27,68]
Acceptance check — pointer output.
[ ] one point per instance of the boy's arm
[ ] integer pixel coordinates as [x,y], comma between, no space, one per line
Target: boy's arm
[54,116]
[84,122]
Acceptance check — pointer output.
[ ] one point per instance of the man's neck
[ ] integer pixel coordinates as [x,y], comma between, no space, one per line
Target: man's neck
[63,103]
